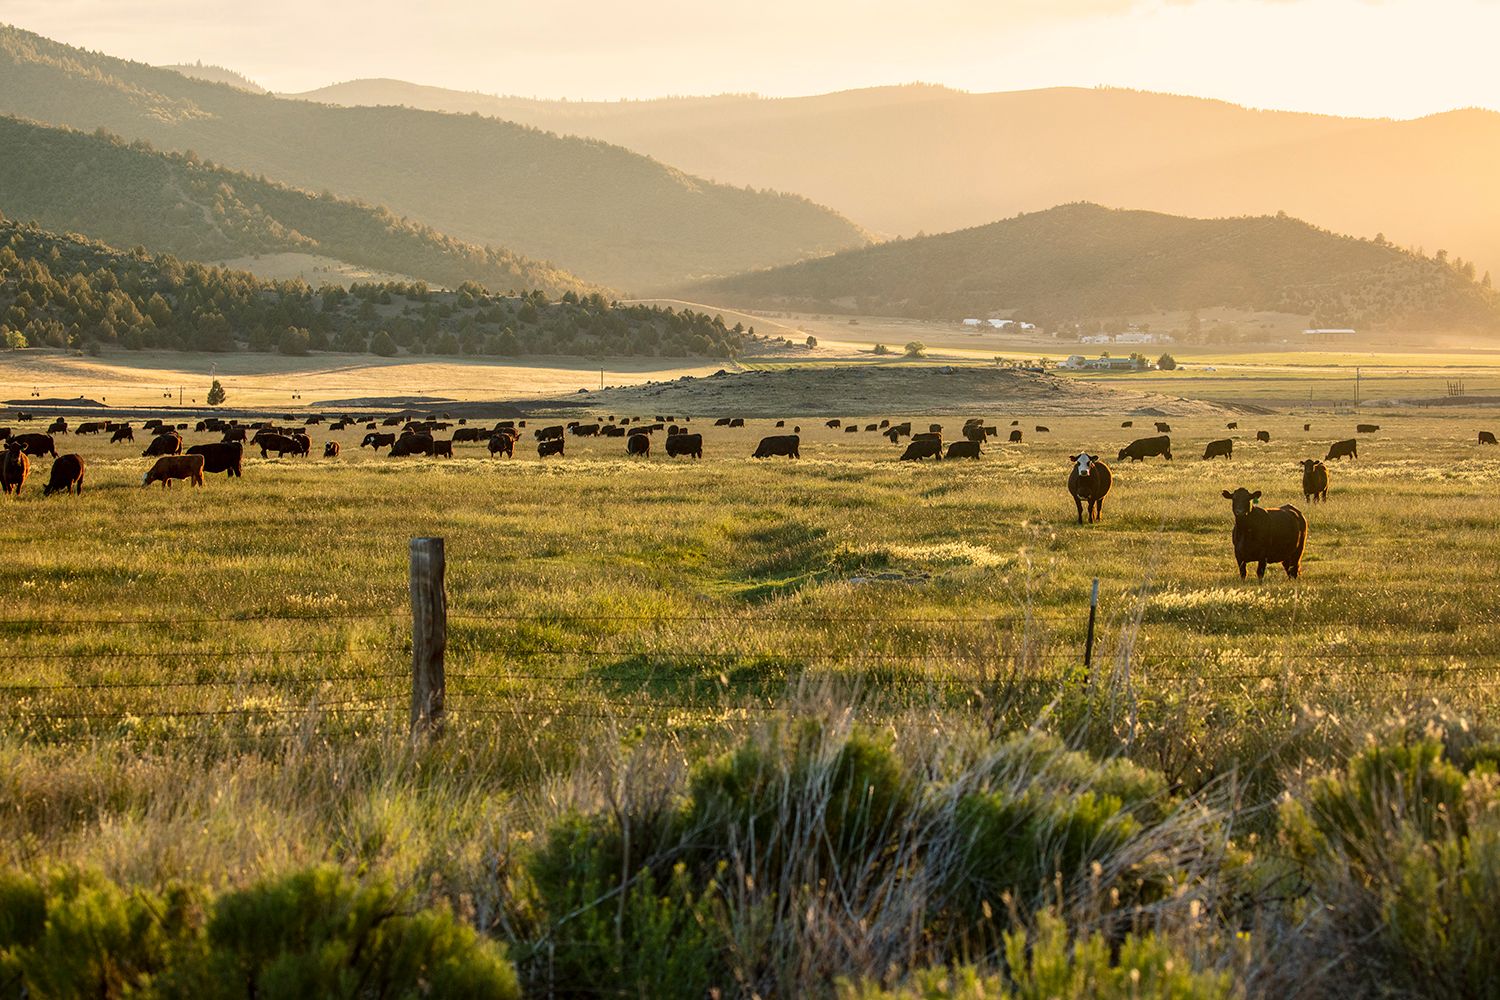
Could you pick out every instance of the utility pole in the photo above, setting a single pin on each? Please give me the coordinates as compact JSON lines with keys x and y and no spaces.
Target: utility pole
{"x":1356,"y":386}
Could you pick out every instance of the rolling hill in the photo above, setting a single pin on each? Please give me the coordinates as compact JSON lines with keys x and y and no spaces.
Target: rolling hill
{"x":126,"y":195}
{"x":218,"y":74}
{"x":69,"y":291}
{"x":1081,"y":262}
{"x":610,"y":215}
{"x":902,"y":160}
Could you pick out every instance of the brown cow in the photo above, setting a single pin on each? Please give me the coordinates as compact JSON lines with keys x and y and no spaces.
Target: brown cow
{"x":331,"y":449}
{"x":1142,"y":448}
{"x":1089,"y":483}
{"x":66,"y":477}
{"x":170,"y":467}
{"x":503,"y":441}
{"x":14,"y":468}
{"x":1314,"y":480}
{"x":1486,"y":437}
{"x":1342,"y":449}
{"x":1265,"y":536}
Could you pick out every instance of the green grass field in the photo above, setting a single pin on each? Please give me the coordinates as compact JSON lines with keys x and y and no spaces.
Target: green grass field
{"x":211,"y":683}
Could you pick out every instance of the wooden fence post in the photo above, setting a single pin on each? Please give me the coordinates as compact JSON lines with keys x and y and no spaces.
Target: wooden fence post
{"x":429,"y":635}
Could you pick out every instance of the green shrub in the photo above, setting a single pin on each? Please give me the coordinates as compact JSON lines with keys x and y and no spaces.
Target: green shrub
{"x":1401,"y":856}
{"x":1047,"y":966}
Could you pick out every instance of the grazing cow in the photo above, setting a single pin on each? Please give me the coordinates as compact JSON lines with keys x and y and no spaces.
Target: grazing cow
{"x":303,"y":442}
{"x":1486,"y":437}
{"x":779,"y":423}
{"x":1366,"y":428}
{"x":884,"y":424}
{"x":165,"y":444}
{"x":66,"y":477}
{"x":91,"y":427}
{"x":1043,"y":430}
{"x":724,"y":422}
{"x":23,"y":416}
{"x":832,"y":423}
{"x":1342,"y":449}
{"x":1314,"y":480}
{"x":779,"y":444}
{"x":991,"y":431}
{"x":551,"y":446}
{"x":36,"y":445}
{"x":14,"y":468}
{"x":975,"y":433}
{"x":923,"y":447}
{"x":1015,"y":423}
{"x":1089,"y":482}
{"x":467,"y":434}
{"x":685,"y":444}
{"x":1015,"y":437}
{"x":126,"y":434}
{"x":901,"y":430}
{"x":1162,"y":428}
{"x":503,"y":442}
{"x":59,"y":426}
{"x":1266,"y":536}
{"x":935,"y":428}
{"x":1127,"y":423}
{"x":331,"y":449}
{"x":639,"y":444}
{"x":4,"y":433}
{"x":281,"y":444}
{"x":1143,"y":448}
{"x":928,"y":436}
{"x":852,"y":429}
{"x":586,"y":430}
{"x":963,"y":449}
{"x":234,"y":434}
{"x":377,"y":440}
{"x":442,"y":449}
{"x":737,"y":422}
{"x":1263,"y":436}
{"x":170,"y":467}
{"x":1222,"y":448}
{"x":413,"y":444}
{"x":226,"y":456}
{"x":1307,"y":427}
{"x":871,"y":427}
{"x":612,"y":431}
{"x":553,"y":433}
{"x":1233,"y":425}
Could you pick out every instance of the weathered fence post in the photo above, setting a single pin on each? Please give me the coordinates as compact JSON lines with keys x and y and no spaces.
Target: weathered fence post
{"x":1088,"y":643}
{"x":429,"y":635}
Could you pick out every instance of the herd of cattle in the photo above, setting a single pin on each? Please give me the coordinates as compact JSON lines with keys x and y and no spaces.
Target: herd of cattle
{"x":1261,"y":536}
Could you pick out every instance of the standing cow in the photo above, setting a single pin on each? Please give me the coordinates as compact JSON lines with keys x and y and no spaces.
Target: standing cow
{"x":1089,"y":482}
{"x":66,"y":477}
{"x":1265,"y":536}
{"x":1314,"y":480}
{"x":14,"y":468}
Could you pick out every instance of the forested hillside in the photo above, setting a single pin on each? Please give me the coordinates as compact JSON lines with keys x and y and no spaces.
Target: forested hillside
{"x":128,"y":195}
{"x":610,"y":215}
{"x":1082,"y":262}
{"x":67,"y":291}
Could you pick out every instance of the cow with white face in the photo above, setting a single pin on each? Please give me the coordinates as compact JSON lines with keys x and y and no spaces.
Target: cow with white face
{"x":1089,"y":482}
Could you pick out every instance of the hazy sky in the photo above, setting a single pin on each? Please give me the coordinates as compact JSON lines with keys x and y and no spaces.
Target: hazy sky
{"x":1370,"y":57}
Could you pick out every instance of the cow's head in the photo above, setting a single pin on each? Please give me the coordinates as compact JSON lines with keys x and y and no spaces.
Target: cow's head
{"x":1083,"y":463}
{"x":1308,"y":464}
{"x":1242,"y":500}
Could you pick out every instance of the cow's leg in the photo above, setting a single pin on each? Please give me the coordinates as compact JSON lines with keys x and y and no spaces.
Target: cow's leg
{"x":1260,"y":570}
{"x":1242,"y":570}
{"x":1077,"y":502}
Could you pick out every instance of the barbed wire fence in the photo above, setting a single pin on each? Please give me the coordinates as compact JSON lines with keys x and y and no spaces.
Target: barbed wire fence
{"x":348,"y":675}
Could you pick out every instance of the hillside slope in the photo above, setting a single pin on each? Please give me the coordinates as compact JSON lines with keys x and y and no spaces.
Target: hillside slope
{"x":901,"y":160}
{"x":608,"y":214}
{"x":170,"y":203}
{"x":68,"y":291}
{"x":1081,"y":262}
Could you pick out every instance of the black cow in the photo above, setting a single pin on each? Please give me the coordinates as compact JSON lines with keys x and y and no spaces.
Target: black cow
{"x":1143,"y":448}
{"x":724,"y":422}
{"x":1342,"y":449}
{"x":963,"y":449}
{"x":442,"y":449}
{"x":59,"y":426}
{"x":226,"y":456}
{"x":1222,"y":448}
{"x":1127,"y":423}
{"x":1089,"y":483}
{"x":553,"y":433}
{"x":503,"y":442}
{"x":551,"y":446}
{"x":974,"y":433}
{"x":377,"y":440}
{"x":1015,"y":437}
{"x":779,"y":444}
{"x":1314,"y":480}
{"x":1162,"y":428}
{"x":14,"y":468}
{"x":331,"y":449}
{"x":281,"y":444}
{"x":1263,"y":436}
{"x":1043,"y":430}
{"x":126,"y":434}
{"x":852,"y":429}
{"x":1232,"y":425}
{"x":1486,"y":437}
{"x":924,"y":447}
{"x":164,"y":444}
{"x":685,"y":444}
{"x":411,"y":444}
{"x":1266,"y":536}
{"x":833,"y":423}
{"x":737,"y":422}
{"x":90,"y":427}
{"x":36,"y":445}
{"x":638,"y":444}
{"x":1366,"y":428}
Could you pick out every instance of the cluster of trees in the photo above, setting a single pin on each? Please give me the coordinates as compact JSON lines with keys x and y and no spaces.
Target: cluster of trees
{"x":67,"y":291}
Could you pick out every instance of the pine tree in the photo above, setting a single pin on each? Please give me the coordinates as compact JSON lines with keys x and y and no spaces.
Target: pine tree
{"x":216,"y":394}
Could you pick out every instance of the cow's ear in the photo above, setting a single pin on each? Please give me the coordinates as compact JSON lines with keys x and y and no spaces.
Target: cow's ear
{"x":1093,"y":458}
{"x":1255,"y":495}
{"x":1228,"y":495}
{"x":1072,"y":458}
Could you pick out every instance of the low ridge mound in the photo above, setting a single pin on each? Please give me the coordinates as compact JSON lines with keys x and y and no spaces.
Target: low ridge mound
{"x":883,"y":389}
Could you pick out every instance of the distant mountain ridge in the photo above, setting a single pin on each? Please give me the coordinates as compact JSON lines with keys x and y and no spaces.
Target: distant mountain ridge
{"x":1082,"y":263}
{"x":613,"y":216}
{"x":217,"y":74}
{"x":129,"y":194}
{"x":909,"y":159}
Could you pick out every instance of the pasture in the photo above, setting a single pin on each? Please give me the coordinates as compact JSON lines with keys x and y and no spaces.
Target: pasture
{"x":201,"y":683}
